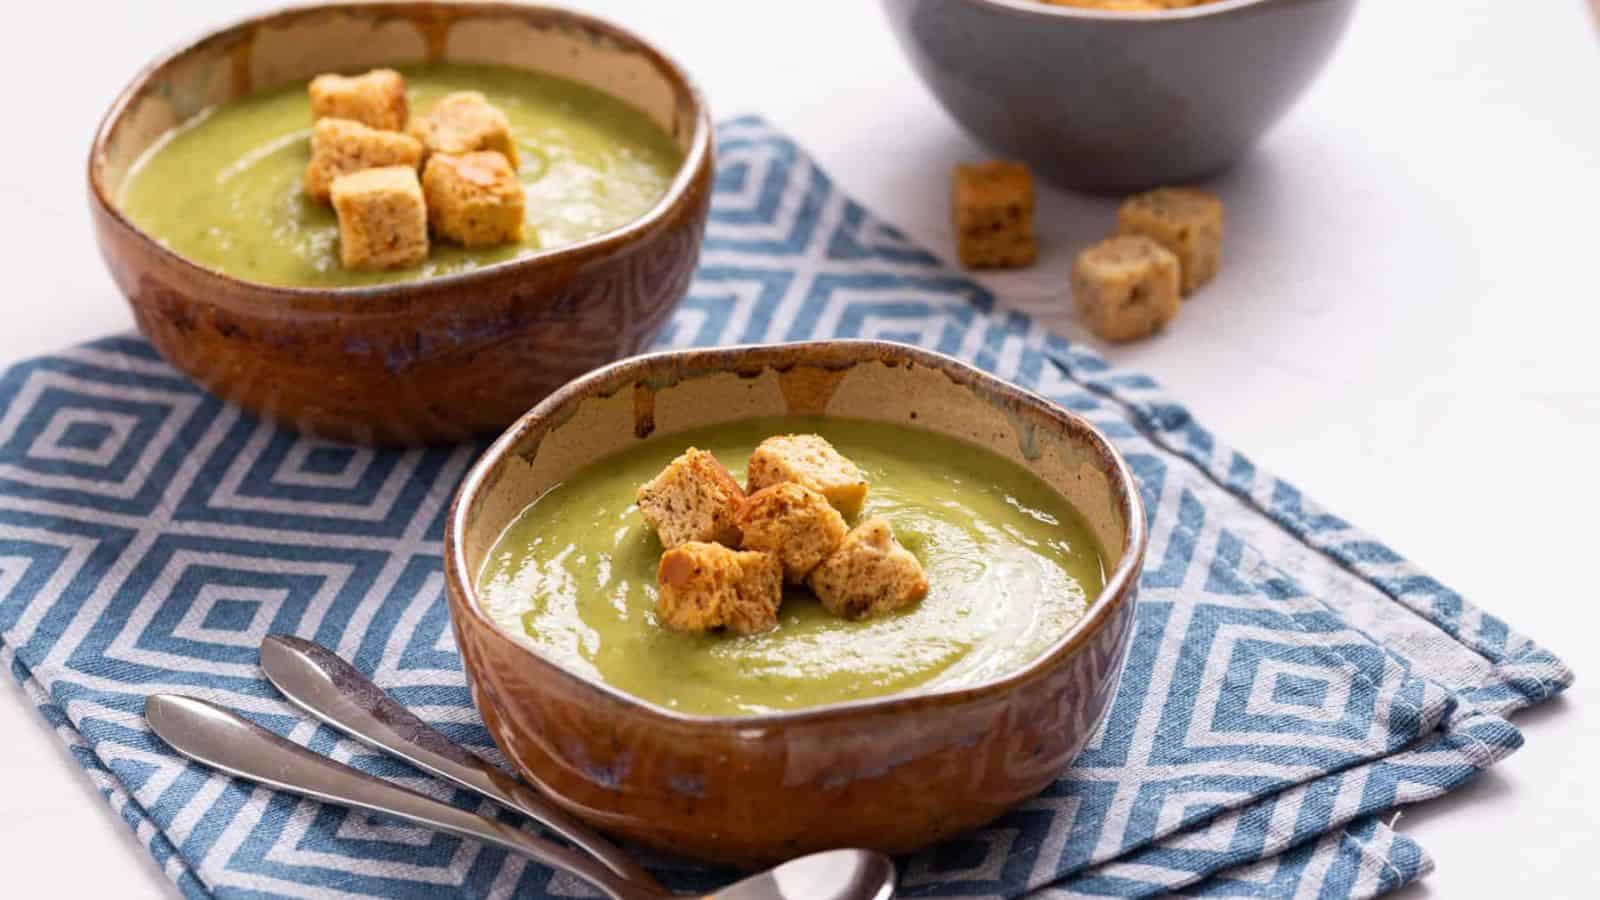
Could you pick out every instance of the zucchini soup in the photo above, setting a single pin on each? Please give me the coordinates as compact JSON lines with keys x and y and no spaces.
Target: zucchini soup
{"x":1010,"y":567}
{"x":225,"y":189}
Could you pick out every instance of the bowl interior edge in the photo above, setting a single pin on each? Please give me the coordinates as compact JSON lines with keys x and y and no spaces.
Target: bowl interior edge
{"x":296,"y":44}
{"x":663,"y":402}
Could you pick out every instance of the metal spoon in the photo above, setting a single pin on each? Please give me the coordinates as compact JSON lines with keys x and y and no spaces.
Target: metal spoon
{"x":331,"y":690}
{"x":218,"y":738}
{"x":317,"y":680}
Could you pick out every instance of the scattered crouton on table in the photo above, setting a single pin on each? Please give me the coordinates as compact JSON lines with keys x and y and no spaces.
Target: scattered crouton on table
{"x":1126,"y":287}
{"x":992,"y":208}
{"x":1186,"y":221}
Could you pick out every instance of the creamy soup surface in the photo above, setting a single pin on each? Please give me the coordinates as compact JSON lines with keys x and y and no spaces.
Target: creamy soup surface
{"x":1011,"y":568}
{"x":224,"y":188}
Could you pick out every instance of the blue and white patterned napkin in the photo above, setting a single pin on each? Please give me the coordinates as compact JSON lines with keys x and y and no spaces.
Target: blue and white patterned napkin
{"x":1291,"y":679}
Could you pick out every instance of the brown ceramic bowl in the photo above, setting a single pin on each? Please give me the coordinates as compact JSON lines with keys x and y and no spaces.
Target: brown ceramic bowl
{"x":894,"y":773}
{"x":431,"y":360}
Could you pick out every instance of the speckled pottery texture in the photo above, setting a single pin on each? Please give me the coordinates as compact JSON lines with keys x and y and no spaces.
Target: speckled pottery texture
{"x":433,"y":360}
{"x":894,"y":773}
{"x":1110,"y":101}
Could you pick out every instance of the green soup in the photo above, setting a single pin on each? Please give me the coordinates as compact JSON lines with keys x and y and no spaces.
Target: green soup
{"x":224,"y":189}
{"x":1011,"y":567}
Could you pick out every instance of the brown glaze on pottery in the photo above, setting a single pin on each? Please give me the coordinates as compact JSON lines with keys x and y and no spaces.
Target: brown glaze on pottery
{"x":432,"y":360}
{"x":893,"y":773}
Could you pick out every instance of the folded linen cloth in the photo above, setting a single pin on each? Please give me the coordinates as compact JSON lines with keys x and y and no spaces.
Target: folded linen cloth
{"x":1291,"y":679}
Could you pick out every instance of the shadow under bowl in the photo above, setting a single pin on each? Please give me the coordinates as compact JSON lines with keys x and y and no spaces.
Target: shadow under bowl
{"x":437,"y":359}
{"x":1118,"y":101}
{"x":894,"y":773}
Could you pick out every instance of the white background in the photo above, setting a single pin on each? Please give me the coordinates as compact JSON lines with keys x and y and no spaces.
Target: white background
{"x":1405,"y":326}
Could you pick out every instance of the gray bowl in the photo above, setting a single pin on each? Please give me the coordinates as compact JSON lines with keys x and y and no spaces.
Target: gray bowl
{"x":1118,"y":100}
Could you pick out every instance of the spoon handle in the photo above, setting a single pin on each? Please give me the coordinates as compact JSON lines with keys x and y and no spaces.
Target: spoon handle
{"x":230,"y":743}
{"x":320,"y":682}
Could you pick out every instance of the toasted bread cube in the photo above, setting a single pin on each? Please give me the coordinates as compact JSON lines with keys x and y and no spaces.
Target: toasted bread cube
{"x":1126,"y":287}
{"x":342,"y":146}
{"x":705,"y":586}
{"x":692,"y":499}
{"x":474,"y":199}
{"x":758,"y":594}
{"x":793,"y":522}
{"x":808,"y":459}
{"x":1126,"y":5}
{"x":383,"y":223}
{"x":992,"y":204}
{"x":463,"y":122}
{"x":376,"y":99}
{"x":869,"y":574}
{"x":1187,"y":221}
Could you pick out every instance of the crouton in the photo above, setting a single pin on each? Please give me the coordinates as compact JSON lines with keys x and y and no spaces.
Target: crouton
{"x":1127,"y":5}
{"x":1126,"y":287}
{"x":692,"y":499}
{"x":474,"y":199}
{"x":793,"y":522}
{"x":705,"y":586}
{"x":992,"y":204}
{"x":758,"y":594}
{"x":808,"y":459}
{"x":1187,"y":221}
{"x":342,"y":146}
{"x":868,"y":574}
{"x":463,"y":122}
{"x":376,"y":99}
{"x":383,"y":223}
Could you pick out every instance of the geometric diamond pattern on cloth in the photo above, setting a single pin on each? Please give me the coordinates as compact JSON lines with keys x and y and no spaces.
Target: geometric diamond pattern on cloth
{"x":1290,"y":679}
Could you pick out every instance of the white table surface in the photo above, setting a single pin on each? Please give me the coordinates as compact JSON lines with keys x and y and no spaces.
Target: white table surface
{"x":1406,"y":326}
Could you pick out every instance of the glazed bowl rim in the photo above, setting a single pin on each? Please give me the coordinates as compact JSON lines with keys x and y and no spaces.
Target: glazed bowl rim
{"x":1048,"y":10}
{"x":1119,"y":587}
{"x":695,"y":158}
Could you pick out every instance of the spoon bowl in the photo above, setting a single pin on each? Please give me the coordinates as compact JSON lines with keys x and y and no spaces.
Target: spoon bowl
{"x":866,"y":874}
